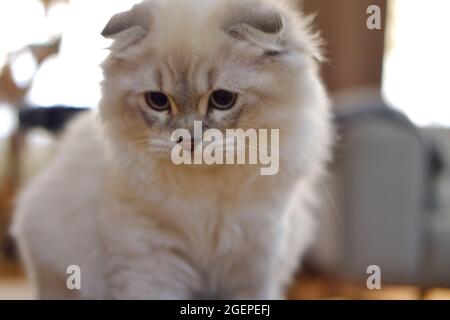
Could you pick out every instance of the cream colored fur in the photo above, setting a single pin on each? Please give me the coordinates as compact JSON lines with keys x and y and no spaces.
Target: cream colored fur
{"x":140,"y":227}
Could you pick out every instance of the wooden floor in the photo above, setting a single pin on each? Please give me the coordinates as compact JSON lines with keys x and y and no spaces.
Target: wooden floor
{"x":15,"y":288}
{"x":19,"y":288}
{"x":316,"y":287}
{"x":14,"y":285}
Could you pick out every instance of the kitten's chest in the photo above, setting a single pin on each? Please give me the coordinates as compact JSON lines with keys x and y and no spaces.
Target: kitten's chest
{"x":239,"y":250}
{"x":223,"y":231}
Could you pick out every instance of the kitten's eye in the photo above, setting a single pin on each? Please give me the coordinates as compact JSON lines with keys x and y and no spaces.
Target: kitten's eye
{"x":222,"y":99}
{"x":157,"y":101}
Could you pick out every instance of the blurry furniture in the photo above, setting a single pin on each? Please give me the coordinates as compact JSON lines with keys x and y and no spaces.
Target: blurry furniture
{"x":14,"y":95}
{"x":384,"y":207}
{"x":439,"y":225}
{"x":52,"y":118}
{"x":354,"y":53}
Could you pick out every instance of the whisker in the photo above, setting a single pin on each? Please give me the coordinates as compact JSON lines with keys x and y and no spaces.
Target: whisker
{"x":160,"y":142}
{"x":330,"y":199}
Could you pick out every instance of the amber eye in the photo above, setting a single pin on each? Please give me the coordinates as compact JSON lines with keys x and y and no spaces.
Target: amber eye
{"x":157,"y":101}
{"x":222,"y":99}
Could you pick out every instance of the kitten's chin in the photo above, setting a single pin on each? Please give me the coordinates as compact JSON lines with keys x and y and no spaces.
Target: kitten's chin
{"x":168,"y":163}
{"x":165,"y":162}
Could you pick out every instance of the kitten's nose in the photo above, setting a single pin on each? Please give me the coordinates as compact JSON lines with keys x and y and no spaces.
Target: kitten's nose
{"x":188,"y":144}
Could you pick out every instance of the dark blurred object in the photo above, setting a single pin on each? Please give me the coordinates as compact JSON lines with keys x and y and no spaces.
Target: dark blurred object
{"x":8,"y":247}
{"x":52,"y":119}
{"x":438,"y":227}
{"x":437,"y":162}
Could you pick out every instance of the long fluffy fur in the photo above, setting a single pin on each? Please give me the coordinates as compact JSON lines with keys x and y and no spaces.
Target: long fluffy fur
{"x":141,"y":227}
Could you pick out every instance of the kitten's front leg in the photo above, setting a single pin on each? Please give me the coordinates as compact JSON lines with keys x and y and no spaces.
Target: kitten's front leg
{"x":256,"y":282}
{"x":263,"y":292}
{"x":158,"y":276}
{"x":258,"y":257}
{"x":141,"y":260}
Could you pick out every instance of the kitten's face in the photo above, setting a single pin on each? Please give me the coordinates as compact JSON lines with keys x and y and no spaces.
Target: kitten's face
{"x":228,"y":64}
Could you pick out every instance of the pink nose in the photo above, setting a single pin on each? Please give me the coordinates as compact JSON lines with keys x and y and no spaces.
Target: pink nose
{"x":188,"y":144}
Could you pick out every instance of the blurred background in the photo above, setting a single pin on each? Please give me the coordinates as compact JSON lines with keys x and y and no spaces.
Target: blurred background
{"x":386,"y":201}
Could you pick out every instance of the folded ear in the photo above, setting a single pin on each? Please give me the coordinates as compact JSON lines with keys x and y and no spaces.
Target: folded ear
{"x":129,"y":27}
{"x":263,"y":27}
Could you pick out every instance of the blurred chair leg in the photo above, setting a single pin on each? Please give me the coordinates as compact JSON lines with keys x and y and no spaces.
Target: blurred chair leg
{"x":10,"y":188}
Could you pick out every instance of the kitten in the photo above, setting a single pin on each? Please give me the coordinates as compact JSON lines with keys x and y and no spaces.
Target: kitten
{"x":138,"y":226}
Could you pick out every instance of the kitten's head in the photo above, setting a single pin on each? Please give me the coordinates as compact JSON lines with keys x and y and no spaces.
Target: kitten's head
{"x":227,"y":63}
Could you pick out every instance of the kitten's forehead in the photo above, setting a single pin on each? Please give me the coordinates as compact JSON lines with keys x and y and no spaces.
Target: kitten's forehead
{"x":184,"y":74}
{"x":190,"y":71}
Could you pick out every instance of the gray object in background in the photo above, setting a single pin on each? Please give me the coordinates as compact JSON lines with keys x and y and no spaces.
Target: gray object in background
{"x":438,"y":228}
{"x":383,"y":212}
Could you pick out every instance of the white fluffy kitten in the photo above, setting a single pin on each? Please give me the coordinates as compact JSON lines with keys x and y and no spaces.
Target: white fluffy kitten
{"x":112,"y":201}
